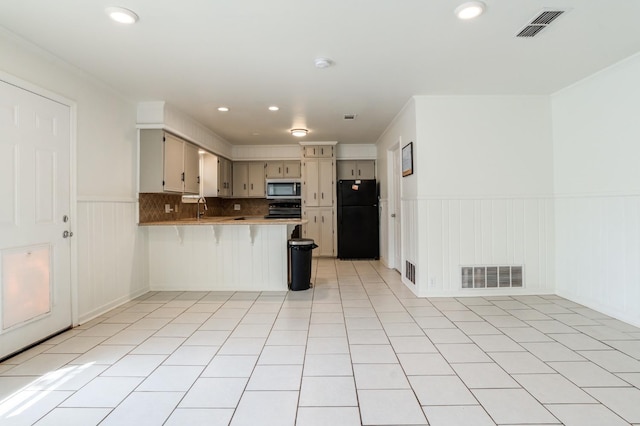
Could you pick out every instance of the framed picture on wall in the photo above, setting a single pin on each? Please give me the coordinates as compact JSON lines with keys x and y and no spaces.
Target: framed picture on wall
{"x":407,"y":159}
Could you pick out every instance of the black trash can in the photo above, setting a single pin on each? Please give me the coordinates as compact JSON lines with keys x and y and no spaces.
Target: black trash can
{"x":300,"y":250}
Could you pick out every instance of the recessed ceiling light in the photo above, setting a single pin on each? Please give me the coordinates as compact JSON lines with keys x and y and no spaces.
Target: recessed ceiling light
{"x":273,"y":108}
{"x":322,"y":62}
{"x":470,"y":10}
{"x":122,"y":15}
{"x":223,"y":109}
{"x":299,"y":132}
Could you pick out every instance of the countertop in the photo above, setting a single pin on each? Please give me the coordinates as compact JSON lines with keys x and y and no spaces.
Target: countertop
{"x":227,"y":220}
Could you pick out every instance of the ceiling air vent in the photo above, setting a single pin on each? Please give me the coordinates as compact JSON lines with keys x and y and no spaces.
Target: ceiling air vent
{"x":541,"y":21}
{"x":350,"y":116}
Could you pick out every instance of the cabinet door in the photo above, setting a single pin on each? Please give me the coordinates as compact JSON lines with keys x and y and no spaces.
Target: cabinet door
{"x":310,"y":151}
{"x":325,"y":183}
{"x":312,"y":228}
{"x":310,"y":184}
{"x":173,"y":163}
{"x":325,"y":151}
{"x":346,"y":169}
{"x":191,"y":169}
{"x":240,"y":180}
{"x":209,"y":175}
{"x":326,"y":232}
{"x":366,"y":169}
{"x":275,"y":169}
{"x":222,"y":177}
{"x":256,"y":179}
{"x":291,"y":169}
{"x":228,"y":178}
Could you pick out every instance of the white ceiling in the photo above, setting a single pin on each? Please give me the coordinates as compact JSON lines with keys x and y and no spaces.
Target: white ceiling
{"x":249,"y":54}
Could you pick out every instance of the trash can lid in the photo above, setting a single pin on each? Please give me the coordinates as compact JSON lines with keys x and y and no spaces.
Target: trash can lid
{"x":301,"y":242}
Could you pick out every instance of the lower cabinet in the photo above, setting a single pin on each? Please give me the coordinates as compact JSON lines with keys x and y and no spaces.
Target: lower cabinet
{"x":320,"y":229}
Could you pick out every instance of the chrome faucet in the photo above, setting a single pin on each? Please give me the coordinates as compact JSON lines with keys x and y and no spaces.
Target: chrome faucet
{"x":199,"y":213}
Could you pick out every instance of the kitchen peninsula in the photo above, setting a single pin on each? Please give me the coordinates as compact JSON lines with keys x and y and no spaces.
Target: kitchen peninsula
{"x":236,"y":253}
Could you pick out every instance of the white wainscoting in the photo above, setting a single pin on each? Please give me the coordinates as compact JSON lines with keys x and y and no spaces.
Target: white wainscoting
{"x":598,"y":252}
{"x":412,"y":236}
{"x":498,"y":231}
{"x":222,"y":257}
{"x":385,"y":244}
{"x":112,"y":256}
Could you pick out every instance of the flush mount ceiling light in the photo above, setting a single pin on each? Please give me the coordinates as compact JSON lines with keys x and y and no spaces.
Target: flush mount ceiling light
{"x":470,"y":10}
{"x":122,"y":15}
{"x":223,"y":109}
{"x":322,"y":62}
{"x":299,"y":132}
{"x":273,"y":108}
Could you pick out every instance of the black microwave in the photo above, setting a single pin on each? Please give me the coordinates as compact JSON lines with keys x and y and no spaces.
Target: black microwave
{"x":284,"y":189}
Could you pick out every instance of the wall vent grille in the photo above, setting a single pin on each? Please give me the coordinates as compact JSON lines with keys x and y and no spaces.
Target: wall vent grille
{"x":492,"y":276}
{"x":410,"y":271}
{"x":541,"y":21}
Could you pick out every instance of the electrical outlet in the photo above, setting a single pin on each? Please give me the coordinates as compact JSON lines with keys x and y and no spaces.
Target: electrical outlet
{"x":167,"y":208}
{"x":236,"y":206}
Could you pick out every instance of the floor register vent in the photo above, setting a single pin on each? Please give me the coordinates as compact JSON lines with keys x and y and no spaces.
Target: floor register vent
{"x":410,"y":271}
{"x":491,"y":276}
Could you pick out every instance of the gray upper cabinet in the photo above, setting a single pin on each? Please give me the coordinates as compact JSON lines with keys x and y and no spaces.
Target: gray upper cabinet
{"x":282,"y":169}
{"x":318,"y":151}
{"x":356,"y":169}
{"x":168,"y":163}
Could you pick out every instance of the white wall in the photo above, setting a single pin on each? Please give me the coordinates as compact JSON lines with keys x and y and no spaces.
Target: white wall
{"x":597,"y":180}
{"x":106,"y":170}
{"x":481,"y":192}
{"x":400,"y":132}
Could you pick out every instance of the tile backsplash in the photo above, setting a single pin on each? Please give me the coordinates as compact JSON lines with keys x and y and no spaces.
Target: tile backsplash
{"x":152,"y":207}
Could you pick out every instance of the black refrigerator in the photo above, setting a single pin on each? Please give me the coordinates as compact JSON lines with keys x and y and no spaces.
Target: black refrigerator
{"x":358,"y":233}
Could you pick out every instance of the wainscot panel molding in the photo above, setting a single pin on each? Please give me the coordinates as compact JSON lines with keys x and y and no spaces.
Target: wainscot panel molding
{"x":386,"y":254}
{"x":228,"y":257}
{"x":598,"y":252}
{"x":112,"y":256}
{"x":410,"y":241}
{"x":497,"y":231}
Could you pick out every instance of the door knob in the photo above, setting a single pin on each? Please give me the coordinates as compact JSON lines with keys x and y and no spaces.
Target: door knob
{"x":393,"y":215}
{"x":67,"y":234}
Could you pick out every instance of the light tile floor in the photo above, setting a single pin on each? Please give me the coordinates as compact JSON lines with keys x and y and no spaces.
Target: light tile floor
{"x":359,"y":348}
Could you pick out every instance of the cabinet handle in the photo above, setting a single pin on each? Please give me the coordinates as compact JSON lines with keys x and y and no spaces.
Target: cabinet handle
{"x":182,"y":176}
{"x":279,"y":170}
{"x":322,"y":219}
{"x":287,"y":170}
{"x":359,"y":172}
{"x":252,"y":187}
{"x":322,"y":195}
{"x":315,"y":219}
{"x":245,"y":186}
{"x":352,"y":172}
{"x":314,"y":195}
{"x":198,"y":179}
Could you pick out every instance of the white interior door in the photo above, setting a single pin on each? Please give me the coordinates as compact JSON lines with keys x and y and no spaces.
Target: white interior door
{"x":35,"y":252}
{"x":397,"y":206}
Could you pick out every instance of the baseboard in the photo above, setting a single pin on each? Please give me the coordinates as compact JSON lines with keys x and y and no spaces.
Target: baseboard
{"x":607,"y":310}
{"x":84,"y":318}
